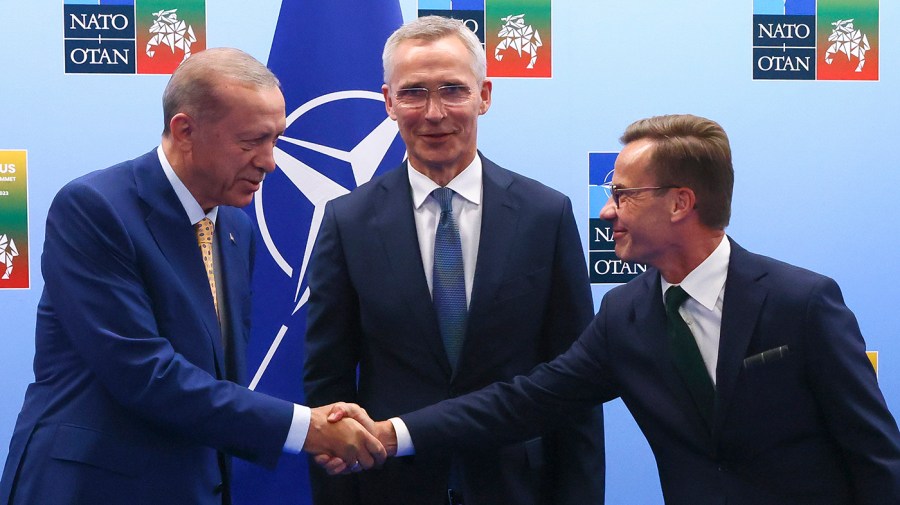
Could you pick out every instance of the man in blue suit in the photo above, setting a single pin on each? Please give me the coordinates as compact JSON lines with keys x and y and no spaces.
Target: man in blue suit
{"x":752,"y":387}
{"x":139,"y":349}
{"x":523,"y":291}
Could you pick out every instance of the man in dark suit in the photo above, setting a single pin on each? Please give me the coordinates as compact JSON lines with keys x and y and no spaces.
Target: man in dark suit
{"x":377,"y":282}
{"x":756,"y":390}
{"x":141,"y":330}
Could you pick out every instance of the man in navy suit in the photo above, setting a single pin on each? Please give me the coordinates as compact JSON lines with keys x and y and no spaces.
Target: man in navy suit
{"x":138,"y":355}
{"x":770,"y":399}
{"x":523,"y":292}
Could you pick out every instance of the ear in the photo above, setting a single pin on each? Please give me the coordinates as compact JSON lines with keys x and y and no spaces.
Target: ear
{"x":181,"y":129}
{"x":684,"y":204}
{"x":486,"y":88}
{"x":388,"y":101}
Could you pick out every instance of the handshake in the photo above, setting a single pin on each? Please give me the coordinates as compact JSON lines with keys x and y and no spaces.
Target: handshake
{"x":344,"y":439}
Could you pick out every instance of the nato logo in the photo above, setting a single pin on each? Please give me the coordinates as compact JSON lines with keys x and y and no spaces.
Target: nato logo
{"x":605,"y":266}
{"x":131,"y":36}
{"x":784,"y":39}
{"x":319,"y":159}
{"x":99,"y":38}
{"x":815,"y":40}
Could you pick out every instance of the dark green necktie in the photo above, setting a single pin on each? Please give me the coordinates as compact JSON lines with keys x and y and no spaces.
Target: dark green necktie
{"x":687,"y":356}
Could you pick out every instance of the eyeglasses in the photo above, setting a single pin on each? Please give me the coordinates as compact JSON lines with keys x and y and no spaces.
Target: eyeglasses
{"x":615,"y":191}
{"x":416,"y":98}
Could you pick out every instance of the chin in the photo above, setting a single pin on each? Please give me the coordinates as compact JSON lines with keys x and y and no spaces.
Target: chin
{"x":240,"y":201}
{"x":624,"y":255}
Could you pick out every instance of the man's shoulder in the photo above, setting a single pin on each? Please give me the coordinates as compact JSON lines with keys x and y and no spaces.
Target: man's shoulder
{"x":785,"y":280}
{"x":518,"y":183}
{"x":770,"y":268}
{"x":392,"y":178}
{"x":107,"y":183}
{"x":111,"y":178}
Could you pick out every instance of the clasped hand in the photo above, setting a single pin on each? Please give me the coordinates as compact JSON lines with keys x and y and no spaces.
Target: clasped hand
{"x":350,"y":440}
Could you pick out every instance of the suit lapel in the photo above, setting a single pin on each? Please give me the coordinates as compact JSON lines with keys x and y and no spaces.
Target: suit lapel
{"x":650,"y":321}
{"x":743,"y":302}
{"x":175,"y":237}
{"x":649,"y":318}
{"x":234,"y":269}
{"x":499,"y":219}
{"x":396,"y":229}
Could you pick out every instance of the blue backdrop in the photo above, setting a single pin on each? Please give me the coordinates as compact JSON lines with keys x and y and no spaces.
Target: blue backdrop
{"x":816,"y":161}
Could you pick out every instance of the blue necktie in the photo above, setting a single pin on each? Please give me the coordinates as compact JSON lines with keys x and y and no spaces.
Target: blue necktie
{"x":448,"y":279}
{"x":686,"y":354}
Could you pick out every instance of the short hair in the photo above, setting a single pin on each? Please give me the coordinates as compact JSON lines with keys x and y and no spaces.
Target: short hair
{"x":431,"y":28}
{"x":691,"y":151}
{"x":192,"y":89}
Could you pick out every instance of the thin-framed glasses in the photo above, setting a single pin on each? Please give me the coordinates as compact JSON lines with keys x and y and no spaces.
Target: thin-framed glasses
{"x":449,"y":94}
{"x":616,"y":191}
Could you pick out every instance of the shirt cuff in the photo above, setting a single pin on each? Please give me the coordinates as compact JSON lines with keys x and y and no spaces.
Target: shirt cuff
{"x":296,"y":437}
{"x":404,"y":440}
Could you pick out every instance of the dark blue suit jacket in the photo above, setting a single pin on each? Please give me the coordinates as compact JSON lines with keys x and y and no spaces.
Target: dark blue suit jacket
{"x":370,"y":305}
{"x":810,"y":428}
{"x":130,"y":404}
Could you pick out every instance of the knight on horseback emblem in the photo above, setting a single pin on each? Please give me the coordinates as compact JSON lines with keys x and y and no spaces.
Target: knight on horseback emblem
{"x":848,"y":40}
{"x":168,"y":30}
{"x":519,"y":36}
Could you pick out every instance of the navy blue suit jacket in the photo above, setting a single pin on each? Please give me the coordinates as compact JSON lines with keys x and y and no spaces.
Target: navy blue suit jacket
{"x":130,"y":404}
{"x":810,"y":428}
{"x":370,"y":305}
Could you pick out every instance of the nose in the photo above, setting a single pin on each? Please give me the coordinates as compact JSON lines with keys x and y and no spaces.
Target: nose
{"x":434,"y":109}
{"x":265,"y":159}
{"x":609,"y":211}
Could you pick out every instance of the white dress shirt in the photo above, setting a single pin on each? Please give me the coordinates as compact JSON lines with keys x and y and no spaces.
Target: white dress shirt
{"x":302,"y":414}
{"x":466,"y":210}
{"x":703,"y":310}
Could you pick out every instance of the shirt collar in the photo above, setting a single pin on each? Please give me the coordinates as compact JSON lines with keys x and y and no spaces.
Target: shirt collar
{"x":705,"y":282}
{"x":466,"y":184}
{"x":193,"y":209}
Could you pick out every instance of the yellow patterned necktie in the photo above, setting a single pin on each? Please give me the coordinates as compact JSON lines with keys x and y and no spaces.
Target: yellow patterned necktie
{"x":205,"y":230}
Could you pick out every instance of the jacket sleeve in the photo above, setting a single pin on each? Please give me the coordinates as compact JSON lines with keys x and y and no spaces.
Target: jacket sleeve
{"x":846,"y":388}
{"x":332,"y":345}
{"x":575,"y":456}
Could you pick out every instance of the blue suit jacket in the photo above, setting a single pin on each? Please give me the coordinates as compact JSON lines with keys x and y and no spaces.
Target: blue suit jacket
{"x":370,"y":305}
{"x":130,"y":404}
{"x":811,"y":428}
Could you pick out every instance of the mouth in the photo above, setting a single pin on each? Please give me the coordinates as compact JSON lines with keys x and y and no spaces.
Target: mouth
{"x":435,"y":135}
{"x":253,"y":184}
{"x":256,"y":181}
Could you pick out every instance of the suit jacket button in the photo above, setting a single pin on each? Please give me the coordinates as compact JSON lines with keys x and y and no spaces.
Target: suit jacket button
{"x":218,"y":488}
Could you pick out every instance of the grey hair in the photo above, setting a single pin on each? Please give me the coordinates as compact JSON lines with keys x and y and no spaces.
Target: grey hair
{"x":431,"y":28}
{"x":192,"y":87}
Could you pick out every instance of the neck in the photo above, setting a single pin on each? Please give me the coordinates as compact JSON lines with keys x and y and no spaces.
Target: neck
{"x":685,"y":259}
{"x":178,"y":162}
{"x":441,"y":174}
